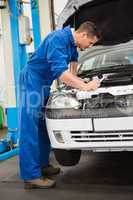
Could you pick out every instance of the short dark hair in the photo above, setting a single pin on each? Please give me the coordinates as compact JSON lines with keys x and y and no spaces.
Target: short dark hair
{"x":90,"y":28}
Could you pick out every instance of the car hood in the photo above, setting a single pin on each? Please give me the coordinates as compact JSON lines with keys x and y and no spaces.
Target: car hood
{"x":112,"y":17}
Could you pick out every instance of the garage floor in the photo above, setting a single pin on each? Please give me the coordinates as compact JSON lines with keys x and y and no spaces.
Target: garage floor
{"x":98,"y":176}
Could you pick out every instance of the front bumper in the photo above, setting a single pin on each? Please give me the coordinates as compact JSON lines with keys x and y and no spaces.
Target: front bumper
{"x":107,"y":134}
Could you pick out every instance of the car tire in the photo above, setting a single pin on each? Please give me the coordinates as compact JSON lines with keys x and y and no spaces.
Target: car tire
{"x":67,"y":157}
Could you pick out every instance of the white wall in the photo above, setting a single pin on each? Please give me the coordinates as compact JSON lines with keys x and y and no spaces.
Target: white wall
{"x":2,"y":71}
{"x":7,"y":85}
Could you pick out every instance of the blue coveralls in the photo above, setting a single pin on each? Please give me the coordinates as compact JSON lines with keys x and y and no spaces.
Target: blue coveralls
{"x":46,"y":64}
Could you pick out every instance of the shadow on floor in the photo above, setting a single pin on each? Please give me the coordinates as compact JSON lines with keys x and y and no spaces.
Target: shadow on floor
{"x":101,"y":168}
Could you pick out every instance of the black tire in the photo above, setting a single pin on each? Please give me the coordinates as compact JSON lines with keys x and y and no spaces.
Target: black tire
{"x":67,"y":157}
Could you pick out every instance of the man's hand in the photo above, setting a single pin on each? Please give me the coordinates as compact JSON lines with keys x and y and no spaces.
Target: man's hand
{"x":71,"y":80}
{"x":93,"y":85}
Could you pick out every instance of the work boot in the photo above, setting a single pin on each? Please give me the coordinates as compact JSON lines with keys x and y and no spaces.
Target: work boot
{"x":39,"y":184}
{"x":50,"y":170}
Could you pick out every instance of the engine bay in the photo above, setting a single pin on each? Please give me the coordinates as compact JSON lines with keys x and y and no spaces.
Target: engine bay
{"x":106,"y":100}
{"x":119,"y":75}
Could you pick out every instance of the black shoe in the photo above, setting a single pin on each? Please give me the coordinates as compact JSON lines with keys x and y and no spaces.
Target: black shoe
{"x":50,"y":170}
{"x":39,"y":184}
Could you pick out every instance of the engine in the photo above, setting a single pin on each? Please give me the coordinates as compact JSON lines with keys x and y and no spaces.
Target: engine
{"x":120,"y":96}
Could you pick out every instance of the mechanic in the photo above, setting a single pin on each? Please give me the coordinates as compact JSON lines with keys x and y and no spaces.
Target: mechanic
{"x":49,"y":62}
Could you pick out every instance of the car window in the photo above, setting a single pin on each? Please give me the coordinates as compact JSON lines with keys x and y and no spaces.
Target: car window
{"x":108,"y":60}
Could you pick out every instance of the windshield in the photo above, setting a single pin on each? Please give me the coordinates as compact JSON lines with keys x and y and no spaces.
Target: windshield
{"x":106,"y":60}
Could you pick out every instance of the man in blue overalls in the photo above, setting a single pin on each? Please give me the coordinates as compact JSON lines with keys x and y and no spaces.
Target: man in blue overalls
{"x":49,"y":62}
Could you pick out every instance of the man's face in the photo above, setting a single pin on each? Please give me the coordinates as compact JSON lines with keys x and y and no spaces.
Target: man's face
{"x":86,"y":41}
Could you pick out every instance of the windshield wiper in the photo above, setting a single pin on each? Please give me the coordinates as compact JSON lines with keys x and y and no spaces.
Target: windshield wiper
{"x":100,"y":70}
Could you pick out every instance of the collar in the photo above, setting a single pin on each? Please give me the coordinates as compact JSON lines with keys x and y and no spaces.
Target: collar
{"x":70,"y":34}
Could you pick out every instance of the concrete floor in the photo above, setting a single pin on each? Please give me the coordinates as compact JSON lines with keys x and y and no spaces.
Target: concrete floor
{"x":98,"y":176}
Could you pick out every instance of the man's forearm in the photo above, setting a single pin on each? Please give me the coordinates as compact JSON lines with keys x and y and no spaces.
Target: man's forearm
{"x":73,"y":67}
{"x":71,"y":80}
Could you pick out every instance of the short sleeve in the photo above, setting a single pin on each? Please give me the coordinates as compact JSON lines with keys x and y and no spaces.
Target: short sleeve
{"x":57,"y":57}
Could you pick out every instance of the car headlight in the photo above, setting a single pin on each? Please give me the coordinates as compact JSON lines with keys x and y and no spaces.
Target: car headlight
{"x":62,"y":100}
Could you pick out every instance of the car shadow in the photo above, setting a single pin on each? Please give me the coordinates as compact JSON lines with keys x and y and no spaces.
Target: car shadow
{"x":101,"y":168}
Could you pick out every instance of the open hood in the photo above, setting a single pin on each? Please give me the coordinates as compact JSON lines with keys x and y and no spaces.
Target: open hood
{"x":114,"y":18}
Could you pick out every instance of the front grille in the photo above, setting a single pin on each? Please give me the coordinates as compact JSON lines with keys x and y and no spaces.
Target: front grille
{"x":89,"y":136}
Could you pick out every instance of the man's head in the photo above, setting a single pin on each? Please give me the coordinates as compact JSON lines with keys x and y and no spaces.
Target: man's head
{"x":86,"y":35}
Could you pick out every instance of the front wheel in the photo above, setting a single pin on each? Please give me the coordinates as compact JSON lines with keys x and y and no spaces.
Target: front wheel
{"x":67,"y":157}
